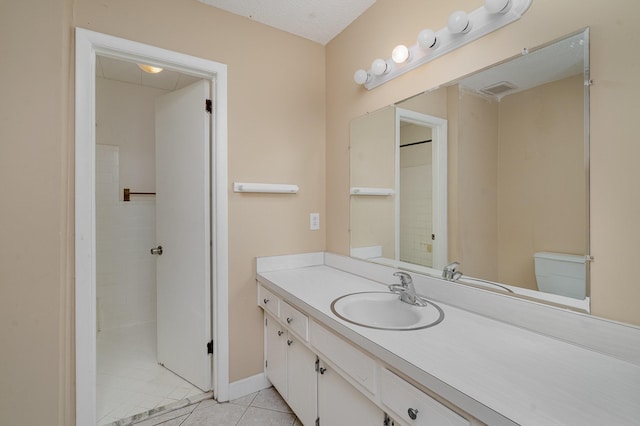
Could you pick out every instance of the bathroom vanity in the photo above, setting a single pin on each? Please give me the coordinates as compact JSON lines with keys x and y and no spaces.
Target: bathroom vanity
{"x":484,"y":363}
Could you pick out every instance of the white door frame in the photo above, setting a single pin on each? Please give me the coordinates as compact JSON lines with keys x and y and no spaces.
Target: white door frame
{"x":88,"y":45}
{"x":439,"y":185}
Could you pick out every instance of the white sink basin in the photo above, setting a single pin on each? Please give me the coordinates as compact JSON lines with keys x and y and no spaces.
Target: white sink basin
{"x":385,"y":311}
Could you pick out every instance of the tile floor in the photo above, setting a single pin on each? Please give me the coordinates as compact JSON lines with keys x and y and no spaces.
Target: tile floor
{"x":129,"y":380}
{"x":264,"y":408}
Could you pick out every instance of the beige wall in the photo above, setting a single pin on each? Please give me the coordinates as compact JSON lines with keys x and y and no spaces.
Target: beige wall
{"x":373,"y":165}
{"x":476,"y":203}
{"x":36,"y":221}
{"x":615,"y":201}
{"x":276,"y":134}
{"x":541,"y":180}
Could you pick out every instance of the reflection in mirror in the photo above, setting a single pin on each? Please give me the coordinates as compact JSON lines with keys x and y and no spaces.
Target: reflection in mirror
{"x":400,"y":156}
{"x":516,"y":188}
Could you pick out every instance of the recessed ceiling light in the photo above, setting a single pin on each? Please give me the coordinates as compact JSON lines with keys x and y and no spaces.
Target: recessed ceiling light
{"x":149,"y":69}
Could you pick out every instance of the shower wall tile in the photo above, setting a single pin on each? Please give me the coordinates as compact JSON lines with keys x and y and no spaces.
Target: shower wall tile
{"x":125,"y":231}
{"x":416,"y":215}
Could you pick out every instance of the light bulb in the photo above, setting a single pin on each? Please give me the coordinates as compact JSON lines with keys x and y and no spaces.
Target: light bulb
{"x":459,"y":22}
{"x":497,"y":6}
{"x":400,"y":54}
{"x":149,"y":69}
{"x":379,"y":67}
{"x":361,"y":76}
{"x":427,"y":39}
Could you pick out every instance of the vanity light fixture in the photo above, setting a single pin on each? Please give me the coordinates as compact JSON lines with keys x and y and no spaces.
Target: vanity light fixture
{"x":400,"y":54}
{"x":462,"y":28}
{"x":361,"y":76}
{"x":497,"y":6}
{"x":427,"y":39}
{"x":150,"y":69}
{"x":379,"y":67}
{"x":458,"y":22}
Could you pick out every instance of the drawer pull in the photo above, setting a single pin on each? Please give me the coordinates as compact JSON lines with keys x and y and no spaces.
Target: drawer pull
{"x":289,"y":342}
{"x":265,"y":301}
{"x":280,"y":332}
{"x":413,"y":413}
{"x":289,"y":320}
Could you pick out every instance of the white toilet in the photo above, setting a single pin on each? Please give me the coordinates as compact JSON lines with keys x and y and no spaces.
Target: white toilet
{"x":563,"y":274}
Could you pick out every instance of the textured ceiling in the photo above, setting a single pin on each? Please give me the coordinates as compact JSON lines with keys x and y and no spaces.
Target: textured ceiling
{"x":316,"y":20}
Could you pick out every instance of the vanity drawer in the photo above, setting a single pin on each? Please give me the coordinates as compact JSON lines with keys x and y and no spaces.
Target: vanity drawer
{"x":269,"y":301}
{"x":407,"y":401}
{"x":359,"y":366}
{"x":295,"y":320}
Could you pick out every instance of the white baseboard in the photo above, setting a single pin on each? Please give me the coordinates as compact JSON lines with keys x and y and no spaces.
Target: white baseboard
{"x":248,"y":386}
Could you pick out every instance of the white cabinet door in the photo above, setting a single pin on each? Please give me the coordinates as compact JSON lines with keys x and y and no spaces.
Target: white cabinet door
{"x":339,"y":403}
{"x":276,"y":353}
{"x":302,"y":381}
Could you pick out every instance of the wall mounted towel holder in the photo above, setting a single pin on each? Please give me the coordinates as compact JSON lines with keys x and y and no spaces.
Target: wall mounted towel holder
{"x":127,"y":194}
{"x":272,"y":188}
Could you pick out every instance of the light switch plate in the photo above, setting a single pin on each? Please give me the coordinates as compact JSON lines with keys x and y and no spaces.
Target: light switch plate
{"x":314,"y":221}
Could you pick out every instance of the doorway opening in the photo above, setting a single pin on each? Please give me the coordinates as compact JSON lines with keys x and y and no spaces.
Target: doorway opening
{"x":421,"y":186}
{"x":212,"y":281}
{"x":133,"y":374}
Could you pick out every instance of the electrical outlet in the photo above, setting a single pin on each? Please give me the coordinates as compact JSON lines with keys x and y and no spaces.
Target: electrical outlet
{"x":314,"y":221}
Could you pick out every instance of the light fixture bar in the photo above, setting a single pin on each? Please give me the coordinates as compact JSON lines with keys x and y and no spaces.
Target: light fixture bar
{"x":273,"y":188}
{"x":481,"y":22}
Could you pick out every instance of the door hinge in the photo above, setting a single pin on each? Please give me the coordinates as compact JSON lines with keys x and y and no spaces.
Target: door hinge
{"x":210,"y":347}
{"x":318,"y":421}
{"x":317,"y":364}
{"x":208,"y":105}
{"x":266,"y":363}
{"x":388,"y":421}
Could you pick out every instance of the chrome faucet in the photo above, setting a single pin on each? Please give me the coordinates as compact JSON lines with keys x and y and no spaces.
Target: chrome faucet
{"x":406,"y":290}
{"x":450,"y":272}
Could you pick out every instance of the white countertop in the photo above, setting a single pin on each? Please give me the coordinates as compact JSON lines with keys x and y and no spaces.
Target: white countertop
{"x":498,"y":372}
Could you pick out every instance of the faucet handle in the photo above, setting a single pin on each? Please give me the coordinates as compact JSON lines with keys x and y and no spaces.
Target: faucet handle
{"x":452,"y":266}
{"x":405,"y":279}
{"x":397,"y":288}
{"x":449,"y":270}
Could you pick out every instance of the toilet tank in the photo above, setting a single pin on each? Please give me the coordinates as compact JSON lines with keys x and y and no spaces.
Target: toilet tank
{"x":563,"y":274}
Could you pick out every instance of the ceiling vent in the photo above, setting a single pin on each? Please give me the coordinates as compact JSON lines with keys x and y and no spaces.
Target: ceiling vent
{"x":498,"y":89}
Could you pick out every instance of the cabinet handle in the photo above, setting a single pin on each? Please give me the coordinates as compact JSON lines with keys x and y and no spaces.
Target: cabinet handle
{"x":413,"y":413}
{"x":322,"y":370}
{"x":289,"y":342}
{"x":265,"y":301}
{"x":280,"y":332}
{"x":289,"y":320}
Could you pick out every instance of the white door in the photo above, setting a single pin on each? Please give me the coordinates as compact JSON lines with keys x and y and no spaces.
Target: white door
{"x":183,"y":231}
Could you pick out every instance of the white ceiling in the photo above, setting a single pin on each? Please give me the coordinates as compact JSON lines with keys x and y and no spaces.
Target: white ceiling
{"x":559,"y":60}
{"x":316,"y":20}
{"x":128,"y":72}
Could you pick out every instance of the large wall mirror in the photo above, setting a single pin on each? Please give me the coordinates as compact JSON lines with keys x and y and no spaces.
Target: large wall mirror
{"x":490,"y":171}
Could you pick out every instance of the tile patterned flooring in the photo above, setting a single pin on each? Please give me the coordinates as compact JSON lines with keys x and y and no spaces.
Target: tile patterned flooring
{"x":129,"y":379}
{"x":264,"y":408}
{"x":132,"y":385}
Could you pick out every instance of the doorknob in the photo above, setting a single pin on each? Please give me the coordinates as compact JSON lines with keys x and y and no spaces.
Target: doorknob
{"x":157,"y":250}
